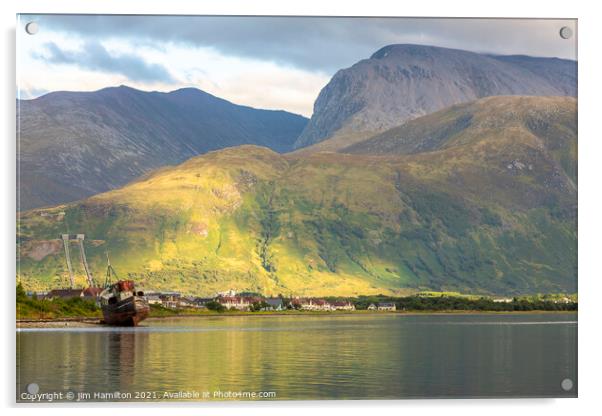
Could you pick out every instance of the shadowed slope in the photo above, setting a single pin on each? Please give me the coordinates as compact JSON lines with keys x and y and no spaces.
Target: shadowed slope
{"x":77,"y":144}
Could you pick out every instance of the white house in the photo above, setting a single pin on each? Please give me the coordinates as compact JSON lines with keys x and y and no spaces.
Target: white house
{"x":343,"y":306}
{"x":242,"y":303}
{"x":312,"y":304}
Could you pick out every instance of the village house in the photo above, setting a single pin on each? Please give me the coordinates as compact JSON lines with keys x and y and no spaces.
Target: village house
{"x":170,"y":299}
{"x":387,"y":306}
{"x":372,"y":307}
{"x":153,"y":299}
{"x":187,"y":302}
{"x":343,"y":306}
{"x":276,"y":304}
{"x":86,"y":293}
{"x":193,"y":302}
{"x":175,"y":300}
{"x":312,"y":304}
{"x":241,"y":303}
{"x":202,"y":302}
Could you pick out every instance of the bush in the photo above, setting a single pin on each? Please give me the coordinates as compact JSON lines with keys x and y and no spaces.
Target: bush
{"x":215,"y":306}
{"x":488,"y":217}
{"x":258,"y":306}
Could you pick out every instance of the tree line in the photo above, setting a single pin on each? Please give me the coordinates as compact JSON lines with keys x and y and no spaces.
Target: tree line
{"x":446,"y":303}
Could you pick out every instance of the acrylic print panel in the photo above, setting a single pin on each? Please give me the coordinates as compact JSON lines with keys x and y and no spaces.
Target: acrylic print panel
{"x":295,"y":208}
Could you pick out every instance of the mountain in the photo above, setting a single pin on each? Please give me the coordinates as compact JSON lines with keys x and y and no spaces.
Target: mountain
{"x":479,"y":197}
{"x":402,"y":82}
{"x":76,"y":144}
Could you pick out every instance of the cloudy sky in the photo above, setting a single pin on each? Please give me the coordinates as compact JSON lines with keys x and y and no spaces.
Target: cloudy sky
{"x":264,"y":62}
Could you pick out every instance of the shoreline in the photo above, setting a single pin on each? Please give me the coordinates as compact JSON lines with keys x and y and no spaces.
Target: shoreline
{"x":86,"y":322}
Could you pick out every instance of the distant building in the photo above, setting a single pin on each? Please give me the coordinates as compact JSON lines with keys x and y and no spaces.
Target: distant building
{"x":387,"y":306}
{"x":202,"y":302}
{"x":343,"y":306}
{"x":187,"y":302}
{"x":193,"y":302}
{"x":372,"y":307}
{"x":503,"y":300}
{"x":227,"y":294}
{"x":311,"y":304}
{"x":64,"y":294}
{"x":153,"y":299}
{"x":242,"y":303}
{"x":86,"y":293}
{"x":276,"y":304}
{"x":170,"y":300}
{"x":175,"y":300}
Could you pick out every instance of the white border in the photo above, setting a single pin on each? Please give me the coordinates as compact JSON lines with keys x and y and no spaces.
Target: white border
{"x":590,"y":164}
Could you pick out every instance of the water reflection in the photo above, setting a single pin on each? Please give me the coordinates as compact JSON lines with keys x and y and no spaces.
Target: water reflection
{"x":305,"y":357}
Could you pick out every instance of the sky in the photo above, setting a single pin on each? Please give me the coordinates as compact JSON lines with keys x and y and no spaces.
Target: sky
{"x":262,"y":62}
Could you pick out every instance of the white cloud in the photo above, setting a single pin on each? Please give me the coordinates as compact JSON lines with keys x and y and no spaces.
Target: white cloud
{"x":252,"y":82}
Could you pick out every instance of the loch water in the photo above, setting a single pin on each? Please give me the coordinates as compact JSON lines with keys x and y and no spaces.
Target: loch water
{"x":303,"y":357}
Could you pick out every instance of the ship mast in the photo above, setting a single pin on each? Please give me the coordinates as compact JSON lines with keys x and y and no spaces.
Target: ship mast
{"x":110,"y":272}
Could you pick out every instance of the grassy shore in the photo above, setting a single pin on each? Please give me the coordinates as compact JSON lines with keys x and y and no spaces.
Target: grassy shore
{"x":77,"y":309}
{"x":32,"y":310}
{"x":80,"y":310}
{"x":58,"y":309}
{"x":83,"y":322}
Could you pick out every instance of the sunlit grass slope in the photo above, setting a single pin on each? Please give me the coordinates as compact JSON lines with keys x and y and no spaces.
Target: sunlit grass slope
{"x":488,"y":206}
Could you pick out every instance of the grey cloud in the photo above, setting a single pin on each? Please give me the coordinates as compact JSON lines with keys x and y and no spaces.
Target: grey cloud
{"x":95,"y":57}
{"x":323,"y":43}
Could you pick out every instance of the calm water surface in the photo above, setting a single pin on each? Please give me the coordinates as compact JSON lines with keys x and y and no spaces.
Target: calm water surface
{"x":381,"y":356}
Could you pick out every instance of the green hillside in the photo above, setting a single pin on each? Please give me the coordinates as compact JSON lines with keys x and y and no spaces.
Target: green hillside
{"x":487,"y":205}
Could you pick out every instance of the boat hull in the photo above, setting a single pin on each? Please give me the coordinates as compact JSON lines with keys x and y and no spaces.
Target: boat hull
{"x":128,"y":312}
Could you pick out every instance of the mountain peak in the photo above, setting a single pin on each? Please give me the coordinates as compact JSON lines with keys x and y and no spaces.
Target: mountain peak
{"x":120,"y":89}
{"x":404,"y":81}
{"x":189,"y":90}
{"x":407,"y":49}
